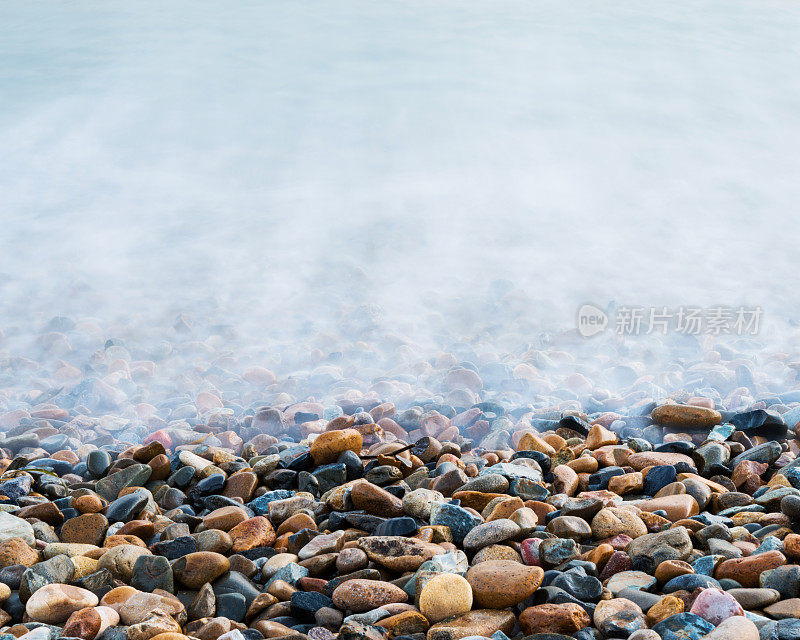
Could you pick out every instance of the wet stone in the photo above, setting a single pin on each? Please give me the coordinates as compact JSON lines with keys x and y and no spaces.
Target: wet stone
{"x":683,"y":626}
{"x":151,"y":573}
{"x":126,"y":508}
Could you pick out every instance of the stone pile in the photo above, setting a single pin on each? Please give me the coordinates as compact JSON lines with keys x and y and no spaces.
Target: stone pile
{"x":678,"y":521}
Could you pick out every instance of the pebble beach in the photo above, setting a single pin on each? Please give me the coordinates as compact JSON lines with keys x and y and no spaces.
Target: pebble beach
{"x":399,"y":321}
{"x":569,"y":488}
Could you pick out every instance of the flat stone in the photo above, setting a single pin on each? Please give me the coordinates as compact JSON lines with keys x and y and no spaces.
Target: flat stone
{"x":565,"y":618}
{"x":613,"y":521}
{"x":677,"y":507}
{"x":398,"y":553}
{"x":628,"y":579}
{"x":683,"y":626}
{"x":478,"y":622}
{"x":685,"y":416}
{"x":490,"y":533}
{"x":734,"y":628}
{"x":784,"y":609}
{"x":499,"y":584}
{"x":13,"y":527}
{"x":755,"y":598}
{"x":747,"y":571}
{"x":195,"y":569}
{"x":135,"y":475}
{"x":54,"y":603}
{"x":364,"y":595}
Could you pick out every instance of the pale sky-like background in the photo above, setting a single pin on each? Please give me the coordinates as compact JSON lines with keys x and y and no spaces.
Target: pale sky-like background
{"x":260,"y":157}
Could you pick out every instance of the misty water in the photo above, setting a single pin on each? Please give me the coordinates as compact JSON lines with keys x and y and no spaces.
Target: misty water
{"x":307,"y":174}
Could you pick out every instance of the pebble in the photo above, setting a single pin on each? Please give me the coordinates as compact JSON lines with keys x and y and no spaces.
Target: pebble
{"x":734,"y":628}
{"x":55,"y":603}
{"x":554,"y":618}
{"x":195,"y":569}
{"x":715,"y":605}
{"x":365,"y":595}
{"x":13,"y":527}
{"x":499,"y":584}
{"x":613,"y":521}
{"x":489,"y":533}
{"x":484,"y":623}
{"x":443,"y":596}
{"x":683,"y":626}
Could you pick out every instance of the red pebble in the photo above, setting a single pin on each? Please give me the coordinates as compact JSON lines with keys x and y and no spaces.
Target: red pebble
{"x":530,"y":551}
{"x":161,"y":436}
{"x":619,"y":541}
{"x":619,"y":561}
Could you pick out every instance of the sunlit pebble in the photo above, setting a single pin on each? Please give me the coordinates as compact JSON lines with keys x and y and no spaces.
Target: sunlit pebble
{"x":119,"y":372}
{"x":578,"y":383}
{"x":50,"y":412}
{"x":463,"y":379}
{"x":488,"y":356}
{"x":207,"y":401}
{"x":90,"y":328}
{"x":461,"y":398}
{"x":406,"y":353}
{"x":66,"y":372}
{"x":283,"y":398}
{"x":445,"y":360}
{"x":697,"y":401}
{"x":12,"y":419}
{"x":606,"y":419}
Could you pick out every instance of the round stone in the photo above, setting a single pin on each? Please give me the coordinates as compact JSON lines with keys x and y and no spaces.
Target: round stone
{"x":121,"y":559}
{"x":54,"y":603}
{"x":490,"y":533}
{"x":195,"y":569}
{"x":670,"y":569}
{"x":364,"y":595}
{"x":566,"y":618}
{"x":613,"y":521}
{"x":443,"y":596}
{"x":499,"y":584}
{"x":151,"y":573}
{"x":715,"y":605}
{"x":569,"y":527}
{"x":329,"y":445}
